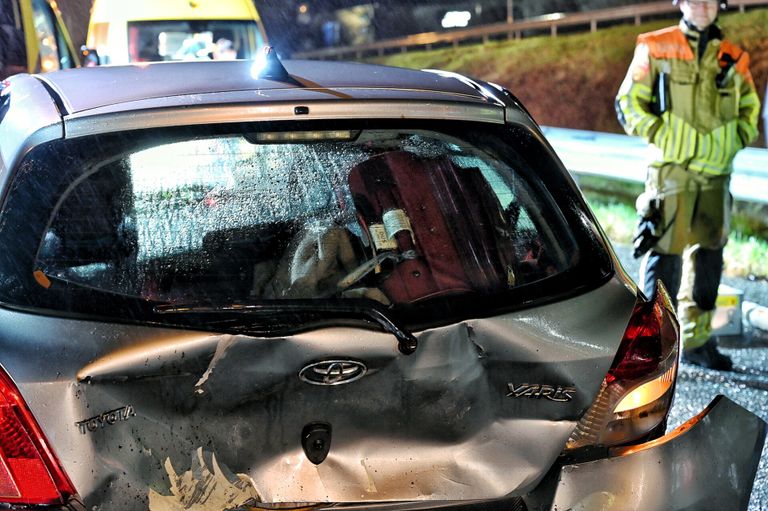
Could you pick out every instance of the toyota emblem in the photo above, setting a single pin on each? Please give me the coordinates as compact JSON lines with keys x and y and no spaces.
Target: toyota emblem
{"x":333,"y":372}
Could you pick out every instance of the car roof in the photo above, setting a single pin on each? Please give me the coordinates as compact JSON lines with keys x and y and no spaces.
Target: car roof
{"x":88,"y":101}
{"x":121,"y":88}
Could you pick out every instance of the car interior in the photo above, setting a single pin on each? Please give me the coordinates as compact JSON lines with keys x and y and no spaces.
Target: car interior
{"x":393,"y":225}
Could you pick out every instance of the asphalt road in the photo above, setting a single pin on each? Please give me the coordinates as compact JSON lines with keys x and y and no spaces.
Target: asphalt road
{"x":747,"y":384}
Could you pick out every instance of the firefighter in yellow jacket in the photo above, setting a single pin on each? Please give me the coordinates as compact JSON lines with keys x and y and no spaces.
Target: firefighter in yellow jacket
{"x":690,"y":94}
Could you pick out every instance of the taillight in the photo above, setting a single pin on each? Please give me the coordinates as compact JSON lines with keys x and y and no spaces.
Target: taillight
{"x":29,"y":470}
{"x":636,"y":394}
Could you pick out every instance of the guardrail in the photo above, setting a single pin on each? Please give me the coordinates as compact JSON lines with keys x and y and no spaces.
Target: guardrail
{"x":516,"y":29}
{"x":625,"y":158}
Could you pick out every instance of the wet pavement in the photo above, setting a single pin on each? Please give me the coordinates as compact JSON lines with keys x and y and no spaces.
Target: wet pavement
{"x":747,"y":384}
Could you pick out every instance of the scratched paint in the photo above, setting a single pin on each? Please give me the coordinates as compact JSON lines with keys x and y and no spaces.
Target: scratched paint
{"x":207,"y":486}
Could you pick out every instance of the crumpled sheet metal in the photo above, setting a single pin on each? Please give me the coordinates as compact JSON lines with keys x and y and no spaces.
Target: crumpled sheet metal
{"x":434,"y":425}
{"x":185,"y":353}
{"x":707,"y":463}
{"x":427,"y":426}
{"x":385,"y":469}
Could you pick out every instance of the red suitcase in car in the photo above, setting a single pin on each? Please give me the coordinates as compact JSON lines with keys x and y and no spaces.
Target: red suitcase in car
{"x":442,"y":225}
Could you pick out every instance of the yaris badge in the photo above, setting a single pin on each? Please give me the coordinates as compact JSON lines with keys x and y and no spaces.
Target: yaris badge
{"x":538,"y":391}
{"x":333,"y":372}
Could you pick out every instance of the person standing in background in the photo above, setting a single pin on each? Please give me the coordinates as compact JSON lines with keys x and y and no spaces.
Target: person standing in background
{"x":689,"y":93}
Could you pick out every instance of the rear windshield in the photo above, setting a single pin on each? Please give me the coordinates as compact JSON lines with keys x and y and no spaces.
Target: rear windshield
{"x":193,"y":40}
{"x":431,"y":225}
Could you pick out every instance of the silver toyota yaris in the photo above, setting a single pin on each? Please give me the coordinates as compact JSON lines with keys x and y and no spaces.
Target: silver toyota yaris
{"x":238,"y":285}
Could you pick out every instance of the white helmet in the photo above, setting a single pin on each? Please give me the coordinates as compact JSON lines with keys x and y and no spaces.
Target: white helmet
{"x":723,"y":4}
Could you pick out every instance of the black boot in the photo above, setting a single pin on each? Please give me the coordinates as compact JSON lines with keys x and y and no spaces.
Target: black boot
{"x":708,"y":356}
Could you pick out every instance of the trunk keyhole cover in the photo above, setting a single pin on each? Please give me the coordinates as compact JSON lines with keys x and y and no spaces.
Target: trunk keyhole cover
{"x":316,"y":441}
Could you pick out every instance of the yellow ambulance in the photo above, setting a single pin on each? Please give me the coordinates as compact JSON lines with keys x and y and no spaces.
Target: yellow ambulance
{"x":125,"y":31}
{"x":33,"y":38}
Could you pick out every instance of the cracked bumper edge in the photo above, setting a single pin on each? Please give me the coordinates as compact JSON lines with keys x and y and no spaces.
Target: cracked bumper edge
{"x":707,"y":463}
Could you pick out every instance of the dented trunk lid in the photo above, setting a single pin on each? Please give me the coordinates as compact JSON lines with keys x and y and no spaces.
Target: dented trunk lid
{"x":479,"y":411}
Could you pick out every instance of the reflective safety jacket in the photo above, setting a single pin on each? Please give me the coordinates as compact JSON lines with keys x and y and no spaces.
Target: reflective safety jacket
{"x":697,"y":106}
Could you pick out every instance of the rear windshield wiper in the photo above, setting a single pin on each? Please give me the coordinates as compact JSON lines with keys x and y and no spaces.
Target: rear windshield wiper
{"x":406,"y":342}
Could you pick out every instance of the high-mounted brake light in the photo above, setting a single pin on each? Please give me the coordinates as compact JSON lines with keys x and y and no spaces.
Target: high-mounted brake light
{"x":300,"y":136}
{"x":29,"y":471}
{"x":636,"y":394}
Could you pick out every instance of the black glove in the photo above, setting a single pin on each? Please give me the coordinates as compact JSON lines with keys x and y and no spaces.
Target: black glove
{"x":644,"y":236}
{"x":648,"y":230}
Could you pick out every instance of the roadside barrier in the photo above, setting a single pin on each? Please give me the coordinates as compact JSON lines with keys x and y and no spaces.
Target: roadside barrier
{"x":625,"y":158}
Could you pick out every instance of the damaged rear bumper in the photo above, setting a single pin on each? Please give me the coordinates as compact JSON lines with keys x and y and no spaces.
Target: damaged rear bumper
{"x":707,"y":463}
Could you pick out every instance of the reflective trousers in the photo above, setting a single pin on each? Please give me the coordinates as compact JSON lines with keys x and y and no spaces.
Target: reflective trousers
{"x":692,"y":281}
{"x":696,"y":208}
{"x":688,"y":258}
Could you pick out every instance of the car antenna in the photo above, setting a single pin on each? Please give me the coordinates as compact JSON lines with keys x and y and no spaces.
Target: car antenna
{"x":273,"y":69}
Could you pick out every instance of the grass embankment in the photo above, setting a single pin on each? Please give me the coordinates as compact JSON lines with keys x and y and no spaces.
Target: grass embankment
{"x":745,"y":255}
{"x":571,"y":80}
